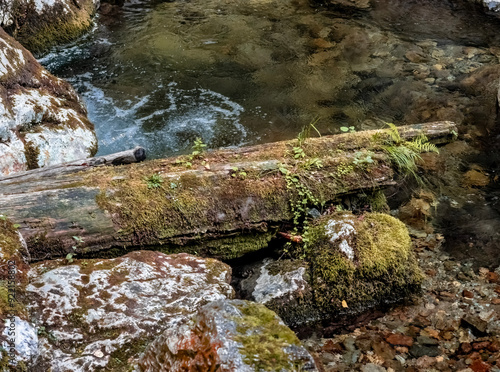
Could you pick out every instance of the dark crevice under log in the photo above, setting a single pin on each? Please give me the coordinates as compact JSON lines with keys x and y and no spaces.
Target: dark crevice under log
{"x":228,"y":203}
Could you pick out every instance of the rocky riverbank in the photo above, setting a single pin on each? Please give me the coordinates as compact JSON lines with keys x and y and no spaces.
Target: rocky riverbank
{"x":453,"y":326}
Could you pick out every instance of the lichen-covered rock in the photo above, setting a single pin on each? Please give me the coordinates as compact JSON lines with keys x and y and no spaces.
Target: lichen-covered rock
{"x":39,"y":24}
{"x":283,"y":286}
{"x":102,"y":313}
{"x":42,"y":120}
{"x":360,"y":261}
{"x":352,"y":263}
{"x":228,"y":336}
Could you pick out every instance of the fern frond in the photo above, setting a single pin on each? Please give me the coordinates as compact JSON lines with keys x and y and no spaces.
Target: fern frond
{"x":394,"y":133}
{"x":421,"y":144}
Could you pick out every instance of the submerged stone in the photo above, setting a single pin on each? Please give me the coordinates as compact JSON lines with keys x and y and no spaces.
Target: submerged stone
{"x":102,"y":313}
{"x":42,"y":120}
{"x":228,"y":336}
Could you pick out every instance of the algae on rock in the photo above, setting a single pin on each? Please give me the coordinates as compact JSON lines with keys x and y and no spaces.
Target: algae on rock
{"x":362,"y":260}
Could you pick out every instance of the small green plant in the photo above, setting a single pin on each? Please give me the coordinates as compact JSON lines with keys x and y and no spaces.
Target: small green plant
{"x":404,"y":154}
{"x":363,"y":159}
{"x":198,"y":149}
{"x":348,"y":129}
{"x":78,"y":239}
{"x":305,"y":133}
{"x":3,"y":218}
{"x":69,"y":257}
{"x":344,"y":169}
{"x":154,"y":181}
{"x":240,"y":173}
{"x":298,"y":153}
{"x":312,"y":163}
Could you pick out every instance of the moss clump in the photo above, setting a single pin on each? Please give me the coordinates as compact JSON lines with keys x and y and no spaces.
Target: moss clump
{"x":55,"y":25}
{"x":31,"y":153}
{"x":383,"y":268}
{"x":264,"y":339}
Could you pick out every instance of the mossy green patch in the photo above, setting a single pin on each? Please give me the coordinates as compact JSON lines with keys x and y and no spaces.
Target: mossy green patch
{"x":31,"y":153}
{"x":264,"y":339}
{"x":9,"y":240}
{"x":384,"y":268}
{"x":58,"y":24}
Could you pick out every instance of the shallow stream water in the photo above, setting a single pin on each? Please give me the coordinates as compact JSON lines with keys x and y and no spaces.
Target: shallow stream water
{"x":244,"y":72}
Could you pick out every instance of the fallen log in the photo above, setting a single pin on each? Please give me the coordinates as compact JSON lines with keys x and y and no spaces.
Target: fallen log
{"x":223,"y":203}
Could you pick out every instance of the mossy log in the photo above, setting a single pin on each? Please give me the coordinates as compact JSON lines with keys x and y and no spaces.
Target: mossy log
{"x":222,"y":203}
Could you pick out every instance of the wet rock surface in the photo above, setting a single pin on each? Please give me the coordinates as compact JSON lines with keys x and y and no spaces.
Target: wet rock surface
{"x":454,"y":326}
{"x":94,"y":314}
{"x":233,"y":335}
{"x":42,"y":120}
{"x":40,"y":24}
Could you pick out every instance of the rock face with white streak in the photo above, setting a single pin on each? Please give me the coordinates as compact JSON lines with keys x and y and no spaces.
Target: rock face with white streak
{"x":102,"y":313}
{"x":283,"y":286}
{"x":42,"y":120}
{"x":228,"y":336}
{"x":39,"y":24}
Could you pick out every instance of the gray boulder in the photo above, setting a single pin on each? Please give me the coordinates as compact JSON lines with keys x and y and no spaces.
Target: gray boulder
{"x":42,"y":120}
{"x":94,"y":314}
{"x":228,"y":336}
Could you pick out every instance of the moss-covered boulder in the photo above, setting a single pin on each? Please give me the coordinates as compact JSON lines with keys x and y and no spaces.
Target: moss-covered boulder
{"x":39,"y":24}
{"x":360,"y":261}
{"x":100,"y":314}
{"x":42,"y":120}
{"x":352,"y":263}
{"x":228,"y":336}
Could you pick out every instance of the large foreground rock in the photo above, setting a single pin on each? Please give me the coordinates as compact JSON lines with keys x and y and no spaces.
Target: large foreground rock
{"x":228,"y":336}
{"x":95,"y":314}
{"x":352,"y":263}
{"x":39,"y":24}
{"x":17,"y":335}
{"x":42,"y":120}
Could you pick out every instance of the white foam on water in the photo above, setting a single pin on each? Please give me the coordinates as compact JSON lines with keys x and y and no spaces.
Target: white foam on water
{"x":166,"y":130}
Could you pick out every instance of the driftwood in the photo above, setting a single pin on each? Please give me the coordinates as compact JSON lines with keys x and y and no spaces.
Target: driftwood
{"x":224,"y":203}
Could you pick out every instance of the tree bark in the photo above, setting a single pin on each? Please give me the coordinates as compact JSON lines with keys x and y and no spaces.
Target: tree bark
{"x":223,"y":203}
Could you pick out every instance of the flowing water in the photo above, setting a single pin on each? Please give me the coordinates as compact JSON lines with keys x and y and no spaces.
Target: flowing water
{"x":251,"y":71}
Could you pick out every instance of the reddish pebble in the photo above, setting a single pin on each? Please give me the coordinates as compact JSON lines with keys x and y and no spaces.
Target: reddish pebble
{"x":399,"y":339}
{"x":494,"y":347}
{"x":497,"y":289}
{"x":466,"y":348}
{"x":401,"y":349}
{"x":332,"y":347}
{"x":480,"y":366}
{"x":493,"y":277}
{"x":447,"y":335}
{"x":467,"y":294}
{"x":480,"y":345}
{"x":475,"y":356}
{"x":495,"y":301}
{"x":431,"y":272}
